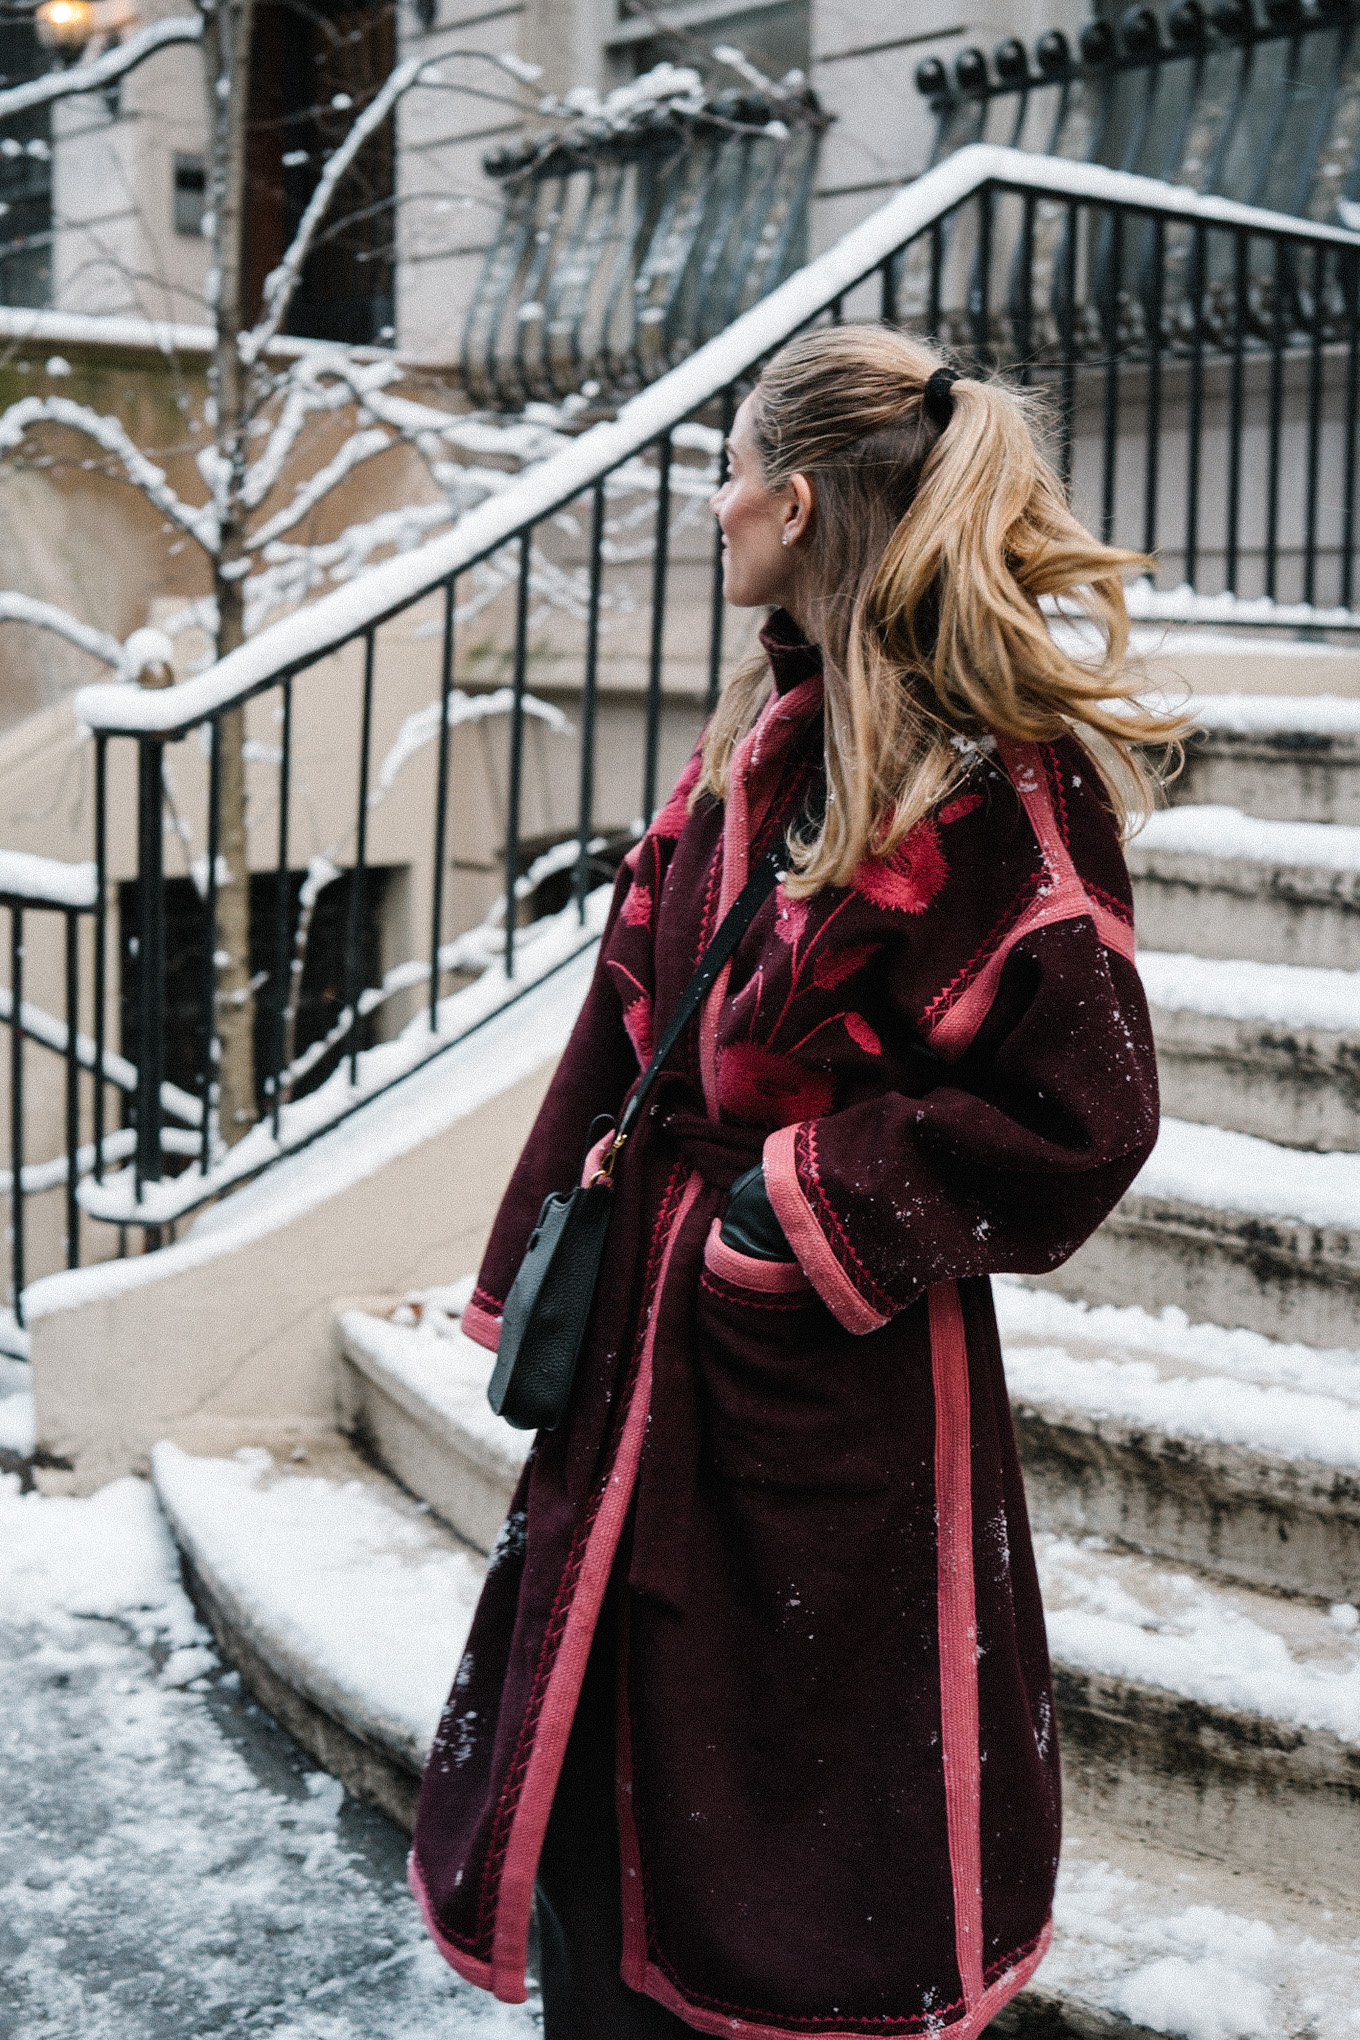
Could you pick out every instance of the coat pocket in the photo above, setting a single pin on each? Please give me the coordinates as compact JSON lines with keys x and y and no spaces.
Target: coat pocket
{"x":788,"y":1395}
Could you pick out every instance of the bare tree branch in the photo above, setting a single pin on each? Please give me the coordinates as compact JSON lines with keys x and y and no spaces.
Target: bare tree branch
{"x":105,"y":70}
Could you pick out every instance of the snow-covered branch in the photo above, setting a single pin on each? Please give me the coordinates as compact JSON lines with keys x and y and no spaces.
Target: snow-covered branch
{"x":112,"y":436}
{"x":16,"y":608}
{"x":101,"y":71}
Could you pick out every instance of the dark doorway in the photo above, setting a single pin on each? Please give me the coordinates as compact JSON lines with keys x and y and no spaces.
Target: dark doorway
{"x":25,"y":175}
{"x":315,"y":68}
{"x":323,"y":977}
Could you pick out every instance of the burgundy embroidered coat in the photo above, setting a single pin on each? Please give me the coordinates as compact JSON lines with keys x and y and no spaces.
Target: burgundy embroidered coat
{"x":838,"y":1799}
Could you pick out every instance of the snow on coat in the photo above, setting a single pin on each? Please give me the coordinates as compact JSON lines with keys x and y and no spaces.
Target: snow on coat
{"x":838,"y":1800}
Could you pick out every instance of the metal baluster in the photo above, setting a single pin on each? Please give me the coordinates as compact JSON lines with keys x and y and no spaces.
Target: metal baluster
{"x":1067,"y":321}
{"x":1024,"y":329}
{"x":1276,"y":441}
{"x":715,"y":625}
{"x":1110,"y":455}
{"x":1154,"y":391}
{"x":887,"y":306}
{"x":441,"y":804}
{"x":1233,"y":537}
{"x":587,"y":804}
{"x":660,"y":562}
{"x":936,"y":279}
{"x":982,"y":291}
{"x":1314,"y":431}
{"x":282,"y":916}
{"x":208,"y":990}
{"x":354,"y":940}
{"x":1195,"y":413}
{"x":1351,"y":286}
{"x":516,"y":750}
{"x":150,"y":965}
{"x":101,"y":883}
{"x":837,"y":310}
{"x":72,"y":1088}
{"x":16,"y":1107}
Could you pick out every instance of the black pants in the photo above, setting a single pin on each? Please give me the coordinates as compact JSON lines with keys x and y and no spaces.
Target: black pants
{"x":580,"y":1911}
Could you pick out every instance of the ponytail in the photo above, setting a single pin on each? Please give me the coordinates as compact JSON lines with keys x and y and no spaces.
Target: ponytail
{"x":938,"y":527}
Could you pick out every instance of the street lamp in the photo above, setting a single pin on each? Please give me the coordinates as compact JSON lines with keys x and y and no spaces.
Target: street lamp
{"x":69,"y":26}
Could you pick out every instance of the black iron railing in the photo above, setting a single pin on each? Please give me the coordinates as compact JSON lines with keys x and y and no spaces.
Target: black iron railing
{"x":1200,"y":365}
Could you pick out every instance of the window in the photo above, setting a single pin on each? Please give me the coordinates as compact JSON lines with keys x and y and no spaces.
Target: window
{"x":191,"y":187}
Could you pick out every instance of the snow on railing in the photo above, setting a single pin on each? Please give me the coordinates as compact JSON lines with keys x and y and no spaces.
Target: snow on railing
{"x":343,"y":613}
{"x":46,"y":881}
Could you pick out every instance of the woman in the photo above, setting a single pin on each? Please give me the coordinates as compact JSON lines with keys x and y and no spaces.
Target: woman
{"x":758,"y":1689}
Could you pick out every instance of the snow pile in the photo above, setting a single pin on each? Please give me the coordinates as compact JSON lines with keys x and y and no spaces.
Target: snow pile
{"x":1225,"y":1647}
{"x":1161,"y":1956}
{"x":446,"y":1373}
{"x":110,"y":1556}
{"x":1314,"y":1427}
{"x":1212,"y":831}
{"x":1208,"y":1165}
{"x":364,"y":1605}
{"x":17,"y":1433}
{"x":1276,"y":994}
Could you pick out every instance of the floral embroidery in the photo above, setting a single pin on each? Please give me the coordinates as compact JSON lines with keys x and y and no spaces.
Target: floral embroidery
{"x":756,"y":1084}
{"x":637,"y":908}
{"x":790,"y":920}
{"x":862,"y":1034}
{"x":834,"y":966}
{"x":637,"y":1018}
{"x":957,"y":809}
{"x":910,"y":878}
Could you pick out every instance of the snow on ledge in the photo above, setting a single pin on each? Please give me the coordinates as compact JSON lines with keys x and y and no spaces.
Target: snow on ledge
{"x":447,"y":1373}
{"x":1275,"y":994}
{"x":426,"y":1103}
{"x":46,"y":881}
{"x":1268,"y":715}
{"x":1237,"y":1172}
{"x":362,"y":1606}
{"x":1212,"y":831}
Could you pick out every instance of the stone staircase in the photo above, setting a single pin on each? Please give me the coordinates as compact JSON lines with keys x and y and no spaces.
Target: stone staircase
{"x":1187,"y":1393}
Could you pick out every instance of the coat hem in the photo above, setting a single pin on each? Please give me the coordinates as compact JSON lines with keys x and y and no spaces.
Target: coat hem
{"x":758,"y":2026}
{"x":469,"y":1967}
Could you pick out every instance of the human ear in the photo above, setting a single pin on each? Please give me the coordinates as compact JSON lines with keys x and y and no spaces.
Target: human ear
{"x":798,"y":514}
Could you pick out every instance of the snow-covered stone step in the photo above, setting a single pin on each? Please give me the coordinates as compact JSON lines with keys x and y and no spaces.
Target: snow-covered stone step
{"x":414,"y":1390}
{"x":1235,"y":1231}
{"x":1219,"y":1449}
{"x":1266,"y":1048}
{"x":1212,"y":881}
{"x":1217,"y":1718}
{"x":1289,"y":758}
{"x":343,"y":1603}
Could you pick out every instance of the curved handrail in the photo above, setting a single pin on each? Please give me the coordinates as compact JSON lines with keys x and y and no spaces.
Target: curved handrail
{"x":343,"y":613}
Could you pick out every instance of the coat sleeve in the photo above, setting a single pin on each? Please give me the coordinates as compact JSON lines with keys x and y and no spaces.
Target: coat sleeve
{"x":598,"y":1067}
{"x":1008,"y":1164}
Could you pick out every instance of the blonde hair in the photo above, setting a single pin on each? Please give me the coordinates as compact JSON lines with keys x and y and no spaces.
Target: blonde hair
{"x":920,"y":579}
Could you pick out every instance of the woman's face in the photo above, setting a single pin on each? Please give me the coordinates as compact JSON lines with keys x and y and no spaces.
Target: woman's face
{"x":761,"y":526}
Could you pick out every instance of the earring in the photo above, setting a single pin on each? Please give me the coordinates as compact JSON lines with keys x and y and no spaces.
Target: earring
{"x":786,"y":538}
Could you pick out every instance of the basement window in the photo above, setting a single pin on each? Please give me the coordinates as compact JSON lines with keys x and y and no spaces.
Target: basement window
{"x":191,"y":192}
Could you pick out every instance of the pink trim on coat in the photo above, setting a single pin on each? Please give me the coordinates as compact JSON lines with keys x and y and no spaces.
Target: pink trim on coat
{"x":1064,"y":899}
{"x":481,"y":1325}
{"x":746,"y":1271}
{"x":520,"y":1866}
{"x":958,"y":1627}
{"x":596,"y":1156}
{"x":633,"y":1967}
{"x":467,"y":1966}
{"x":975,"y":2020}
{"x":807,"y":1239}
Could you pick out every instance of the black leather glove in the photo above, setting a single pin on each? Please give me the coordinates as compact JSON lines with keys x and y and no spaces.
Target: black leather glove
{"x":750,"y":1226}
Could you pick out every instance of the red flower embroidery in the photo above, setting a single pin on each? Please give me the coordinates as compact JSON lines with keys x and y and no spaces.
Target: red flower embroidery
{"x":908,"y":880}
{"x":637,"y":908}
{"x":772,"y":1090}
{"x":957,"y":809}
{"x":637,"y":1018}
{"x":834,"y":966}
{"x":675,"y":814}
{"x":862,"y":1034}
{"x":790,"y":919}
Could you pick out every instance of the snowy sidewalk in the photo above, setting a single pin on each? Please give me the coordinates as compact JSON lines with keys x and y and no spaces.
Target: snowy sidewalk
{"x":170,"y":1863}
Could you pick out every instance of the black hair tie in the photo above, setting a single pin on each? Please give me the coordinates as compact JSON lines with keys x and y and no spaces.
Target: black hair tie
{"x":937,"y":398}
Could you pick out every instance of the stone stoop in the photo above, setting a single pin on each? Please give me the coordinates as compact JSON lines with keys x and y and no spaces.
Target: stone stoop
{"x":1287,"y":759}
{"x":1215,"y":882}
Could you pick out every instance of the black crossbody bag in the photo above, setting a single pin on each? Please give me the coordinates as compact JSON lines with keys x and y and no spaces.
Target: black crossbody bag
{"x":549,"y":1302}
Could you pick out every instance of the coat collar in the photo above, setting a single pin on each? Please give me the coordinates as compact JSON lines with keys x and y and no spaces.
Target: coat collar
{"x":792,"y":659}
